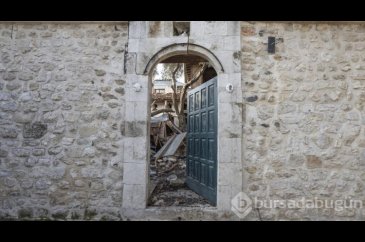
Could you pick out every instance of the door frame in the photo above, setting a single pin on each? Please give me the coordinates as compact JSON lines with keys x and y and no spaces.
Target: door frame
{"x":229,"y":131}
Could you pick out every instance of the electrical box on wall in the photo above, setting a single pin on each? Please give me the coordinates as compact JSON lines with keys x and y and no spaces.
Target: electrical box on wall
{"x":271,"y":45}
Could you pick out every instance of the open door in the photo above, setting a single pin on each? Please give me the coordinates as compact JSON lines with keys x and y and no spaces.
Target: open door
{"x":202,"y":140}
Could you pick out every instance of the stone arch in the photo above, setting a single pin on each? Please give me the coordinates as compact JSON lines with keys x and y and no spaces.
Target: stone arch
{"x":183,"y":48}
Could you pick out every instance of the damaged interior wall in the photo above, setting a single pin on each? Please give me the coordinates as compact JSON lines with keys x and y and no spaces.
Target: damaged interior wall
{"x":304,"y":117}
{"x":61,"y":110}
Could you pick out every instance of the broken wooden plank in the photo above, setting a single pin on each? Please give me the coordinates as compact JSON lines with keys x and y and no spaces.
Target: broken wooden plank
{"x":164,"y":148}
{"x":173,"y":127}
{"x":155,"y":120}
{"x":175,"y":144}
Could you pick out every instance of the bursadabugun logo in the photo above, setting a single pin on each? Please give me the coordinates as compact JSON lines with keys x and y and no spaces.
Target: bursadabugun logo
{"x":242,"y":204}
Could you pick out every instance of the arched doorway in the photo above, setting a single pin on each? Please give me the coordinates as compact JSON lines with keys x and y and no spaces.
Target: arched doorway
{"x":145,"y":50}
{"x":199,"y":158}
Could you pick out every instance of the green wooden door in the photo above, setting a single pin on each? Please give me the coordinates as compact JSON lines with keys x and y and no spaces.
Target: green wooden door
{"x":202,"y":140}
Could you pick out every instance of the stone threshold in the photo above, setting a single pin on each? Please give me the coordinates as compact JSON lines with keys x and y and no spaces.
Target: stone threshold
{"x":180,"y":213}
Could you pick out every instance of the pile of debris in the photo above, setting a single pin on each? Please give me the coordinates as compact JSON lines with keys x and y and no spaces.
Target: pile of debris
{"x":169,"y":188}
{"x":167,"y":144}
{"x":168,"y":166}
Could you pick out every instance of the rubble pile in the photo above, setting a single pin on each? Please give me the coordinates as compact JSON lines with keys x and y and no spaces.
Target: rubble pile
{"x":170,"y":189}
{"x":168,"y":166}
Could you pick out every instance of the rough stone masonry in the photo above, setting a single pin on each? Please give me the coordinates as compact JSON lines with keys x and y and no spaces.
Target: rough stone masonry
{"x":61,"y":107}
{"x":63,"y":121}
{"x":304,"y":135}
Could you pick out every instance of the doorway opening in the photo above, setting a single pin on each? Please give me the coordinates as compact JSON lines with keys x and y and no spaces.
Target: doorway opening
{"x":173,"y":80}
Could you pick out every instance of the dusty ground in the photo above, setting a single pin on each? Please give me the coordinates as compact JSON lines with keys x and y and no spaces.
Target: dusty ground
{"x":168,"y":180}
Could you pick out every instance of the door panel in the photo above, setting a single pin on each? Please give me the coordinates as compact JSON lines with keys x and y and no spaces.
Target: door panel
{"x":202,"y":140}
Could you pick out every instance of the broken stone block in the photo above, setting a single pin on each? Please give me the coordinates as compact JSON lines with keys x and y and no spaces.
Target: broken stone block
{"x":159,"y":202}
{"x":171,"y":178}
{"x":172,"y":158}
{"x":177,"y":182}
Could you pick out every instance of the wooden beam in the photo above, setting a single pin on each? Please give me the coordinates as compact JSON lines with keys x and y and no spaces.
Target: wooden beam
{"x":163,"y":148}
{"x":173,"y":126}
{"x":175,"y":144}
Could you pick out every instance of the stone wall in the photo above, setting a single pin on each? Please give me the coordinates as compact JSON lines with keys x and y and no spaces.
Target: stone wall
{"x":74,"y":112}
{"x":61,"y":111}
{"x":304,"y":118}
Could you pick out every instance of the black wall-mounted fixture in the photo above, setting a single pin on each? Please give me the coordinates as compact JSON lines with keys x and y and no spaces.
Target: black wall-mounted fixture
{"x":271,"y":45}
